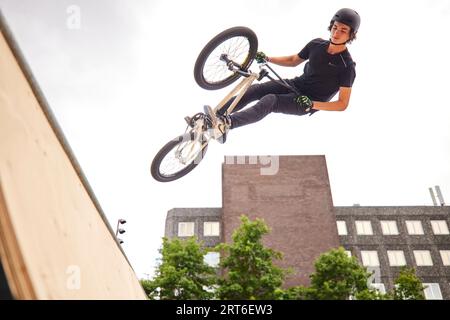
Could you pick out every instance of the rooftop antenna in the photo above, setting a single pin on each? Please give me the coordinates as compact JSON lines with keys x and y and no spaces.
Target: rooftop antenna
{"x":433,"y":197}
{"x":439,"y":195}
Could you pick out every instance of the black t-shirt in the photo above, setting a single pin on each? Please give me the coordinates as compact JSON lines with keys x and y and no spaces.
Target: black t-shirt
{"x":324,"y":73}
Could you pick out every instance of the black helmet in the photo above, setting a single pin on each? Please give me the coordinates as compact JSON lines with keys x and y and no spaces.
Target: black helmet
{"x":348,"y":17}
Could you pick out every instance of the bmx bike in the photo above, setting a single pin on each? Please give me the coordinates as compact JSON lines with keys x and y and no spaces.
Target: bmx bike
{"x":225,"y":58}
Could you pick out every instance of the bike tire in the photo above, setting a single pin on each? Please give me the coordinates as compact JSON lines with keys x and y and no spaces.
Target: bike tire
{"x":229,"y":77}
{"x":164,"y":151}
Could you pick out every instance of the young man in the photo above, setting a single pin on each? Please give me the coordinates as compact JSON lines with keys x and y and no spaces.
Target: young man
{"x":330,"y":69}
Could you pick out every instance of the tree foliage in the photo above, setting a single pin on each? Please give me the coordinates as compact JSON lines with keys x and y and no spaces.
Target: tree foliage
{"x":408,"y":286}
{"x":248,"y":272}
{"x":182,"y":273}
{"x":337,"y":276}
{"x":249,"y":269}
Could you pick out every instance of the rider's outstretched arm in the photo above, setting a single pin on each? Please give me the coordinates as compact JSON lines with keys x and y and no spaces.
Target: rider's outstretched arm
{"x":288,"y":61}
{"x":338,"y":105}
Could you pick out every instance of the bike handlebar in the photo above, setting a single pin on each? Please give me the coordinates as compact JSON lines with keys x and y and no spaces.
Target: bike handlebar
{"x":235,"y":67}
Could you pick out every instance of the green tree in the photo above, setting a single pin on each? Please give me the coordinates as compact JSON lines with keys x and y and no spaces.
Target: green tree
{"x":372,"y":294}
{"x":408,"y":286}
{"x":248,"y":265}
{"x":182,"y":273}
{"x":251,"y":274}
{"x":295,"y":293}
{"x":338,"y":276}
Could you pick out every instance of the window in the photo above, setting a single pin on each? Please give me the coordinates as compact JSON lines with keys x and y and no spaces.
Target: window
{"x":439,"y":226}
{"x":212,"y":259}
{"x":211,"y":229}
{"x":342,"y":228}
{"x":363,"y":228}
{"x":379,"y":287}
{"x":186,"y":229}
{"x":396,"y":258}
{"x":414,"y":226}
{"x":349,"y":253}
{"x":423,"y":257}
{"x":432,"y":291}
{"x":389,"y":227}
{"x":370,"y":259}
{"x":445,"y":255}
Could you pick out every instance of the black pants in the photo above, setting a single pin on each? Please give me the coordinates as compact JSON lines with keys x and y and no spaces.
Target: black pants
{"x":272,"y":96}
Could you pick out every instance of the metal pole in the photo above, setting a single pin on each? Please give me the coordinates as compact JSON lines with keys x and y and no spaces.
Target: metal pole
{"x":117,"y":228}
{"x":439,"y":195}
{"x":433,"y":197}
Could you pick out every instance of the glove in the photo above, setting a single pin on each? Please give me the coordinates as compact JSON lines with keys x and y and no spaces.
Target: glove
{"x":304,"y":102}
{"x":260,"y":57}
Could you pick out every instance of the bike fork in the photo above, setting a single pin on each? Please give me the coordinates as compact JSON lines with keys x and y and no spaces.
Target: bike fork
{"x":197,"y":133}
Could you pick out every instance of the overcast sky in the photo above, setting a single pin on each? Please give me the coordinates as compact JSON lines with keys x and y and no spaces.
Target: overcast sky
{"x":121,"y":81}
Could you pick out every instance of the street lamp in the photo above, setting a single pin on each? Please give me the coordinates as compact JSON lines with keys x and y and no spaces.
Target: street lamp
{"x":120,"y":230}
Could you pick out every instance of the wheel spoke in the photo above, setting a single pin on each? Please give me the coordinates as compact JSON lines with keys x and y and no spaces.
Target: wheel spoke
{"x":180,"y":157}
{"x":237,"y":49}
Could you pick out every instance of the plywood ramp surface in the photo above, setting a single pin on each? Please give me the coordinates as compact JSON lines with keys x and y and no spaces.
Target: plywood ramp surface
{"x":54,"y":243}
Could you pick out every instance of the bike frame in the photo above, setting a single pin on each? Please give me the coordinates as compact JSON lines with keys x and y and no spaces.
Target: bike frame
{"x":242,"y":87}
{"x":239,"y":90}
{"x":249,"y":78}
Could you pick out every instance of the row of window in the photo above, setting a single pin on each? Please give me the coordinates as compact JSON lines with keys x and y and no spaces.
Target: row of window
{"x":363,"y":227}
{"x":397,"y":258}
{"x":432,"y":291}
{"x":210,"y":229}
{"x":389,"y":227}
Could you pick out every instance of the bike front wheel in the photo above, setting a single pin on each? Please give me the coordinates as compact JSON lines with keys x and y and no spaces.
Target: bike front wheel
{"x":238,"y":43}
{"x":178,"y":157}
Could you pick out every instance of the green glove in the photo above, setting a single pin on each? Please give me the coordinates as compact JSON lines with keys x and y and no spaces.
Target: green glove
{"x":260,"y":57}
{"x":304,"y":102}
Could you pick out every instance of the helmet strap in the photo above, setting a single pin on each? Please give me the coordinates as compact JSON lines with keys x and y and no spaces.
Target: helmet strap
{"x":337,"y":44}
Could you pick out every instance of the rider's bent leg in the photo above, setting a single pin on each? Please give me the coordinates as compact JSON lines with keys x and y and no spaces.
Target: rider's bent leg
{"x":279,"y":103}
{"x":255,"y":92}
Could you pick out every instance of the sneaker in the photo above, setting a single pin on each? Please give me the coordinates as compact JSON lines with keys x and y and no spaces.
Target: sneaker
{"x":220,"y":125}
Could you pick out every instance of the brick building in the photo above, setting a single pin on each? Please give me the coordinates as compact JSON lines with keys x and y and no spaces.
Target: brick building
{"x":294,"y":198}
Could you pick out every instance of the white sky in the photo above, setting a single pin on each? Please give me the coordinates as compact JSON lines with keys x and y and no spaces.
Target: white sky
{"x":121,"y":84}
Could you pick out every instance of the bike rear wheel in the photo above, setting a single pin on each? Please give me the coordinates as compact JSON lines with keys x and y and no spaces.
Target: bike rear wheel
{"x":238,"y":43}
{"x":178,"y":157}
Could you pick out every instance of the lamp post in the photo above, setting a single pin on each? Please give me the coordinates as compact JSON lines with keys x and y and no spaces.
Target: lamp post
{"x":120,"y":230}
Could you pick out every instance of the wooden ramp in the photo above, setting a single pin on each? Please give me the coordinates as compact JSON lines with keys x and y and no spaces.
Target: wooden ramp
{"x":55,"y":242}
